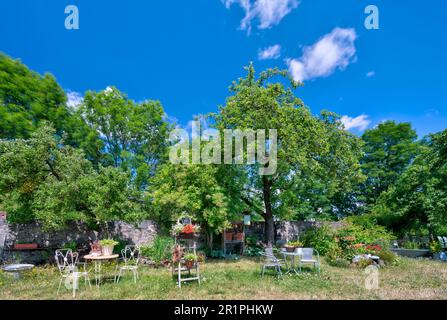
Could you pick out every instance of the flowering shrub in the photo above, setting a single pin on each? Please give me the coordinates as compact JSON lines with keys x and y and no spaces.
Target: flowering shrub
{"x":187,"y":229}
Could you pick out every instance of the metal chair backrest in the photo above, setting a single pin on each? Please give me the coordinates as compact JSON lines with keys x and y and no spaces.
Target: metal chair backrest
{"x":131,"y":255}
{"x":307,"y":253}
{"x":66,"y":260}
{"x":445,"y":242}
{"x":268,"y":254}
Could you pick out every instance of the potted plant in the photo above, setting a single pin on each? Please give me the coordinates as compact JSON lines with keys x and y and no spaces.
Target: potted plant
{"x":107,"y":246}
{"x":189,"y":231}
{"x":239,"y":236}
{"x":190,"y":260}
{"x":228,"y":236}
{"x":176,"y":229}
{"x":291,"y":246}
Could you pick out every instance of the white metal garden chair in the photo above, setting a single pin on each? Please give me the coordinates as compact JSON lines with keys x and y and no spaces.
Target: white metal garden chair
{"x":131,"y":257}
{"x":443,"y":242}
{"x":67,"y":263}
{"x":309,"y":258}
{"x":271,"y":262}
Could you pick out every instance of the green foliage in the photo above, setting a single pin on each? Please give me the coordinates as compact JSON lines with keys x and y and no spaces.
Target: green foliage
{"x":159,"y":250}
{"x":253,"y":251}
{"x":297,"y":244}
{"x":133,"y":135}
{"x":321,"y":239}
{"x":370,"y":234}
{"x":316,"y":158}
{"x":389,"y":257}
{"x":435,"y":247}
{"x":108,"y":242}
{"x":411,"y":245}
{"x":335,"y":257}
{"x":417,"y":203}
{"x":204,"y":191}
{"x":27,"y":99}
{"x":341,"y":245}
{"x":190,"y":257}
{"x":43,"y":179}
{"x":389,"y":149}
{"x":72,"y":245}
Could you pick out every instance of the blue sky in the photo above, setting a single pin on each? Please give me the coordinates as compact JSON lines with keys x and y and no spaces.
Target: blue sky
{"x":186,"y":53}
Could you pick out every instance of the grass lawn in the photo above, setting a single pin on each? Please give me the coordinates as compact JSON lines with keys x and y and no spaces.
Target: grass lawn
{"x":411,"y":279}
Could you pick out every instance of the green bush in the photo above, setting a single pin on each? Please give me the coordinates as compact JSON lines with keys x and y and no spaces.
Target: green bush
{"x":389,"y":257}
{"x":321,"y":239}
{"x":253,"y":251}
{"x":334,"y":257}
{"x":159,"y":250}
{"x":72,"y":245}
{"x":367,"y":234}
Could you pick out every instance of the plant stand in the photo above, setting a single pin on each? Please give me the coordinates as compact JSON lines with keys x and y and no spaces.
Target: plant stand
{"x":234,"y":242}
{"x":183,"y":273}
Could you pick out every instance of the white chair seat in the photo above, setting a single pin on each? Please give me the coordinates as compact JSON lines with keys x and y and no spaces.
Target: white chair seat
{"x":309,"y":261}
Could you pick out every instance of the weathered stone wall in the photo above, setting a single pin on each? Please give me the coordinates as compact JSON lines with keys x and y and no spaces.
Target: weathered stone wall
{"x":285,"y":230}
{"x":141,"y":233}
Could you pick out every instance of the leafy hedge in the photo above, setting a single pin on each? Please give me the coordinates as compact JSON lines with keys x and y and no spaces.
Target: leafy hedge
{"x":354,"y":238}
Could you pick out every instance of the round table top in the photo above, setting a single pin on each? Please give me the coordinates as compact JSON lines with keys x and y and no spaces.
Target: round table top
{"x":295,"y":253}
{"x":17,"y":267}
{"x":97,"y":257}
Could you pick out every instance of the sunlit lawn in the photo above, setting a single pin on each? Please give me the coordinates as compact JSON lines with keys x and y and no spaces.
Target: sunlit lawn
{"x":411,"y":279}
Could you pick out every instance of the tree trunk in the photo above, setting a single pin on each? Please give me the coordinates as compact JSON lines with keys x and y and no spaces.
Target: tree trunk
{"x":269,"y":228}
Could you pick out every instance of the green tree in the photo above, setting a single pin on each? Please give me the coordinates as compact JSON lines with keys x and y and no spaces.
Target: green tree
{"x":208,"y":193}
{"x":42,"y":179}
{"x":314,"y":153}
{"x":417,"y":202}
{"x":114,"y":130}
{"x":389,"y":149}
{"x":27,"y":98}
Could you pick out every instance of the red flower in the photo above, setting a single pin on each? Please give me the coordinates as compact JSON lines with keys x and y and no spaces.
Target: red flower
{"x":189,"y":228}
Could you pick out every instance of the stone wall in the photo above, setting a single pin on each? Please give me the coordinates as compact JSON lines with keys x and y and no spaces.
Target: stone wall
{"x":285,"y":230}
{"x":142,"y":233}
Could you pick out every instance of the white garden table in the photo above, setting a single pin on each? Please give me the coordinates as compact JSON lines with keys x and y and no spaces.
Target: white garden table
{"x":17,"y":269}
{"x":98,"y":260}
{"x":292,"y":256}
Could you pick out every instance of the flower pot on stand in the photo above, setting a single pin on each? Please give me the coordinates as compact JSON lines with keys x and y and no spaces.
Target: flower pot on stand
{"x":107,"y":250}
{"x":290,"y":248}
{"x":189,"y":264}
{"x":228,"y":236}
{"x":239,"y":236}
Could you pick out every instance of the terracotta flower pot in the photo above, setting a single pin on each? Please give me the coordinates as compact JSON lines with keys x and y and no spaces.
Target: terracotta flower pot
{"x":239,"y":236}
{"x":25,"y":246}
{"x":228,"y":236}
{"x":290,"y":248}
{"x":189,"y":264}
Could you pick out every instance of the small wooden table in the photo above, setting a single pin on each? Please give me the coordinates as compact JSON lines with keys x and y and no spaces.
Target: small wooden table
{"x":98,"y":260}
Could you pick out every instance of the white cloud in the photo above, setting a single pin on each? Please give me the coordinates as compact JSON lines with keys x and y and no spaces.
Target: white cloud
{"x":335,"y":50}
{"x":273,"y":52}
{"x":74,"y":99}
{"x":371,"y":74}
{"x":268,"y":13}
{"x":360,"y":123}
